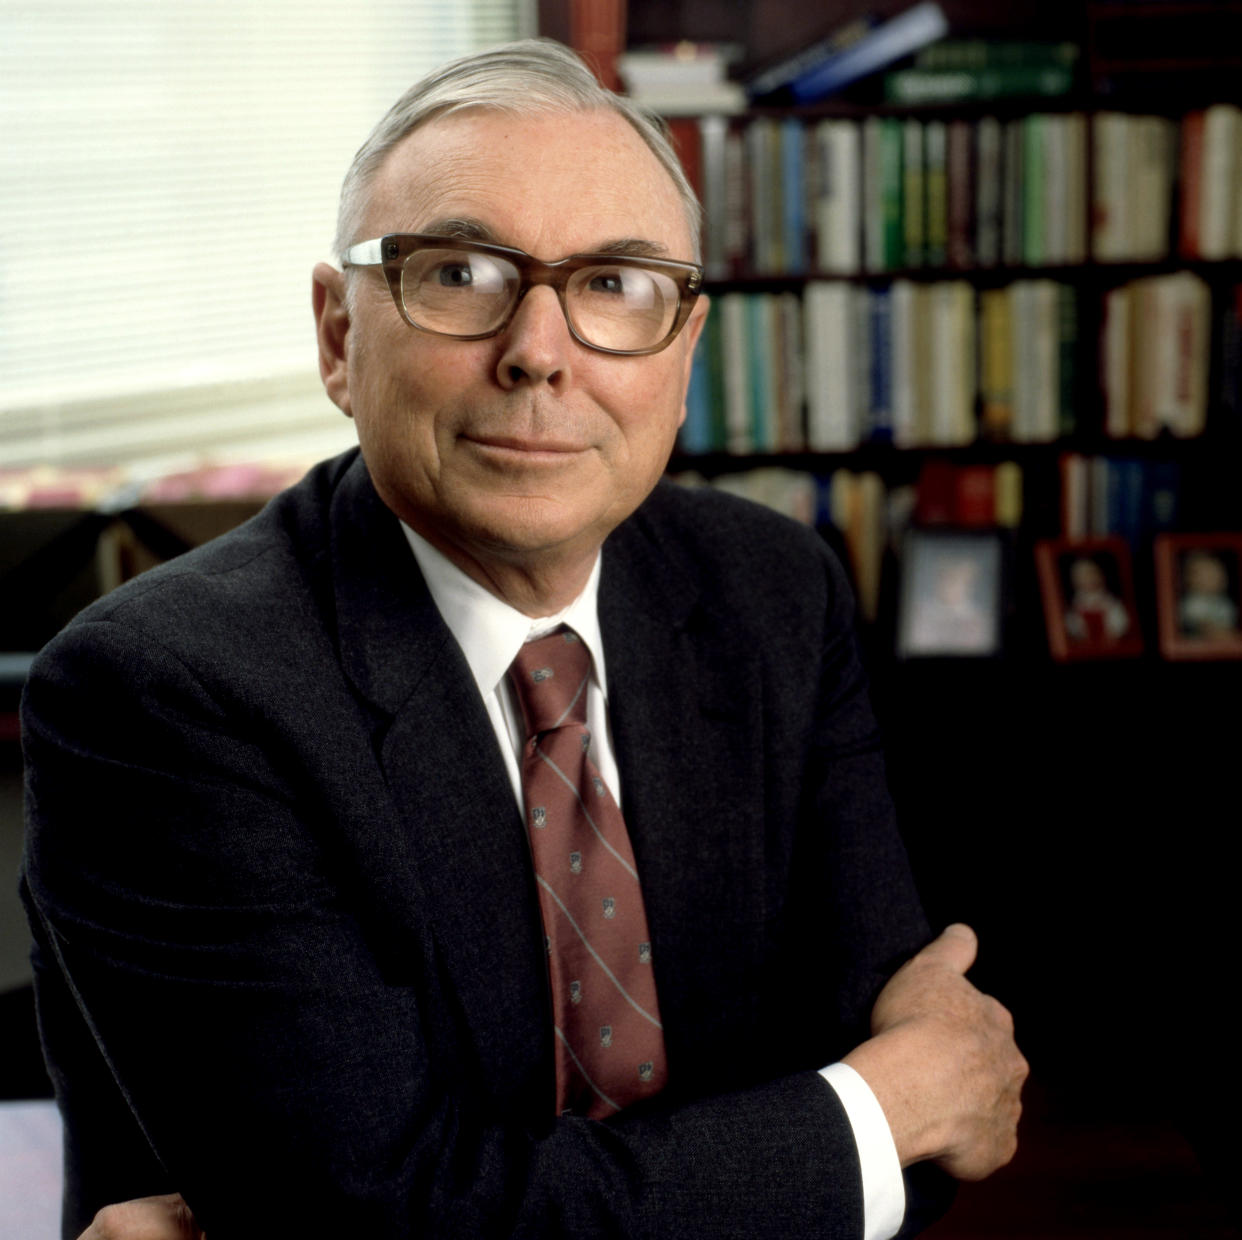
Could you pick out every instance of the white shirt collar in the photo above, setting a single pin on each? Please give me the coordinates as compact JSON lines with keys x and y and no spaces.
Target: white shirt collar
{"x":488,"y":630}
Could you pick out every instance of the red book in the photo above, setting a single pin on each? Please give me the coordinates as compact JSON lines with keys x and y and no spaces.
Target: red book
{"x":1192,"y":184}
{"x":975,"y":495}
{"x":685,"y":132}
{"x":937,"y":494}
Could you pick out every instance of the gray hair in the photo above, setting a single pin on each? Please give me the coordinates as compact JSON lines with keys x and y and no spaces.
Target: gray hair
{"x":524,"y":78}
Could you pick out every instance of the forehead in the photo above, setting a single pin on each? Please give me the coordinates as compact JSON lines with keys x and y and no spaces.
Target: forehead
{"x":550,"y":183}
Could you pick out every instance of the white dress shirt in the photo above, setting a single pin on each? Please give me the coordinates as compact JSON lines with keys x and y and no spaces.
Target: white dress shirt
{"x":490,"y":634}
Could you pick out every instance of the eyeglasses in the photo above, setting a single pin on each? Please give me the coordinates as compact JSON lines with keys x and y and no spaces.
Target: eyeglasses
{"x":470,"y":290}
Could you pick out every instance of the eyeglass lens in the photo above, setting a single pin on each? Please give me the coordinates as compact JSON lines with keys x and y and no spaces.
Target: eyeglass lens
{"x":612,"y":306}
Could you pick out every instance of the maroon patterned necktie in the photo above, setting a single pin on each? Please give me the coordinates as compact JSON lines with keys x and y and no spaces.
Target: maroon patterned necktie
{"x":609,"y":1040}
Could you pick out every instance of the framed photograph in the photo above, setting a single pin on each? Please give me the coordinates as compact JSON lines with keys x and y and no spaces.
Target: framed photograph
{"x":1199,"y":595}
{"x":1088,"y":594}
{"x":951,"y":600}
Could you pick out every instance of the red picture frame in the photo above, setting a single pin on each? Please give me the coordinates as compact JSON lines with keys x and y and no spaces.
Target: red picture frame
{"x":1199,"y":595}
{"x":1088,"y":594}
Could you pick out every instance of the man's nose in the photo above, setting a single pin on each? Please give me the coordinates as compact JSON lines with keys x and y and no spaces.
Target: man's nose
{"x":537,"y":344}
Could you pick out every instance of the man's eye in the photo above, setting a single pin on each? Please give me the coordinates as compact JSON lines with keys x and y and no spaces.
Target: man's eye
{"x":455,"y":275}
{"x":608,"y":282}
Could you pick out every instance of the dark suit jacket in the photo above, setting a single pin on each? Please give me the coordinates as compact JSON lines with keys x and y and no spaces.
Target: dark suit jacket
{"x":289,"y":955}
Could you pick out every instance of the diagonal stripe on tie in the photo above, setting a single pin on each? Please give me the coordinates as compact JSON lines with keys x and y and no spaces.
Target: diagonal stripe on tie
{"x":586,"y":942}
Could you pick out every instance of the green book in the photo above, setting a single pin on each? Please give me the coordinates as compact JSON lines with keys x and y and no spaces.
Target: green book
{"x":1033,"y":171}
{"x":995,"y":53}
{"x":919,"y":86}
{"x":891,"y":188}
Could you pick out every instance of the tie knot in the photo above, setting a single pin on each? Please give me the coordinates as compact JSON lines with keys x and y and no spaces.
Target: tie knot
{"x":550,"y":675}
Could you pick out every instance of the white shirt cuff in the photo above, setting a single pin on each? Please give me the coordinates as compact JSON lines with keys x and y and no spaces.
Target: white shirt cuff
{"x":884,"y":1191}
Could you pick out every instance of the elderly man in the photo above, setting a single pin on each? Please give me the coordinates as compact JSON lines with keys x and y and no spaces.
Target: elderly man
{"x":494,"y":838}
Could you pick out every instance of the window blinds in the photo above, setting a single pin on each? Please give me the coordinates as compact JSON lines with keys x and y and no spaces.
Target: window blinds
{"x":170,"y":175}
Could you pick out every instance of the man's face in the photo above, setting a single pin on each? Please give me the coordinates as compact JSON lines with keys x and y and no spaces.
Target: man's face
{"x":527,"y":447}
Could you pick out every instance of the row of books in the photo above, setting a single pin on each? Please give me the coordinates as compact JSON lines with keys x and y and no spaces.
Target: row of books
{"x":1163,"y":185}
{"x":1121,"y":497}
{"x":915,"y":364}
{"x":788,"y":196}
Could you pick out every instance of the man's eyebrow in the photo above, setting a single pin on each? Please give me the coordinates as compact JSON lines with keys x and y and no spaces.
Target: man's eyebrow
{"x":633,"y":247}
{"x":466,"y":228}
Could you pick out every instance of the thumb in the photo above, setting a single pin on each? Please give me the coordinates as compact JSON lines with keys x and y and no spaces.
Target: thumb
{"x":955,"y":949}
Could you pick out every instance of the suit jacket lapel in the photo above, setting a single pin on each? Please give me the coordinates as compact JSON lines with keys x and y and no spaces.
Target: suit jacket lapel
{"x":466,"y":859}
{"x":685,"y":713}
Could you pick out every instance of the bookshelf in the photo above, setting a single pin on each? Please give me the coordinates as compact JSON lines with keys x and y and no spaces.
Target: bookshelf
{"x":1020,"y":282}
{"x":1053,"y":805}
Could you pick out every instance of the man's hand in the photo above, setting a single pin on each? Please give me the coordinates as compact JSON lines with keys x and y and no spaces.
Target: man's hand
{"x":149,"y":1218}
{"x":942,"y":1063}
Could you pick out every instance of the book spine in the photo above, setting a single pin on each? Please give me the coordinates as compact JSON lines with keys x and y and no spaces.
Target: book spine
{"x":892,"y":40}
{"x":1191,"y":181}
{"x":1067,"y":358}
{"x":792,"y":423}
{"x":1109,"y":192}
{"x":1115,"y":362}
{"x":1222,"y":136}
{"x":903,"y":309}
{"x":760,"y":368}
{"x":739,"y":433}
{"x":936,"y":183}
{"x":891,"y":193}
{"x":988,"y":192}
{"x":1076,"y":207}
{"x":914,"y":197}
{"x":1011,"y":217}
{"x":960,"y":169}
{"x":1034,"y":188}
{"x":833,"y":399}
{"x":880,"y":427}
{"x":996,"y":363}
{"x":712,"y":131}
{"x":793,"y":198}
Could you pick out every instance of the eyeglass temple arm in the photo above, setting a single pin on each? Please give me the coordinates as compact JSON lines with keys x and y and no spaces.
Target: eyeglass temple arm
{"x":364,"y":254}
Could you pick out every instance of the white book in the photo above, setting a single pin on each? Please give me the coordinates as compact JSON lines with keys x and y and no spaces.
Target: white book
{"x":1046,"y":316}
{"x":1150,"y":185}
{"x":1036,"y":361}
{"x":712,"y":133}
{"x":1110,"y":197}
{"x":1186,"y":316}
{"x":873,"y":193}
{"x":1055,"y":134}
{"x":904,"y":309}
{"x":953,"y":364}
{"x":830,"y":329}
{"x":838,"y":210}
{"x":1218,"y":200}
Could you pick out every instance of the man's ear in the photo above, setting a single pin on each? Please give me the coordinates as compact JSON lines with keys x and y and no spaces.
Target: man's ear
{"x":332,"y":329}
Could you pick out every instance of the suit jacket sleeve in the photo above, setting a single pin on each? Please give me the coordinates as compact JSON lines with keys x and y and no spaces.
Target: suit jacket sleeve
{"x":257,"y":988}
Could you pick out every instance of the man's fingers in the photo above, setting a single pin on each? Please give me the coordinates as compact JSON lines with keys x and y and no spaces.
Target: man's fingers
{"x":955,"y":949}
{"x":148,"y":1218}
